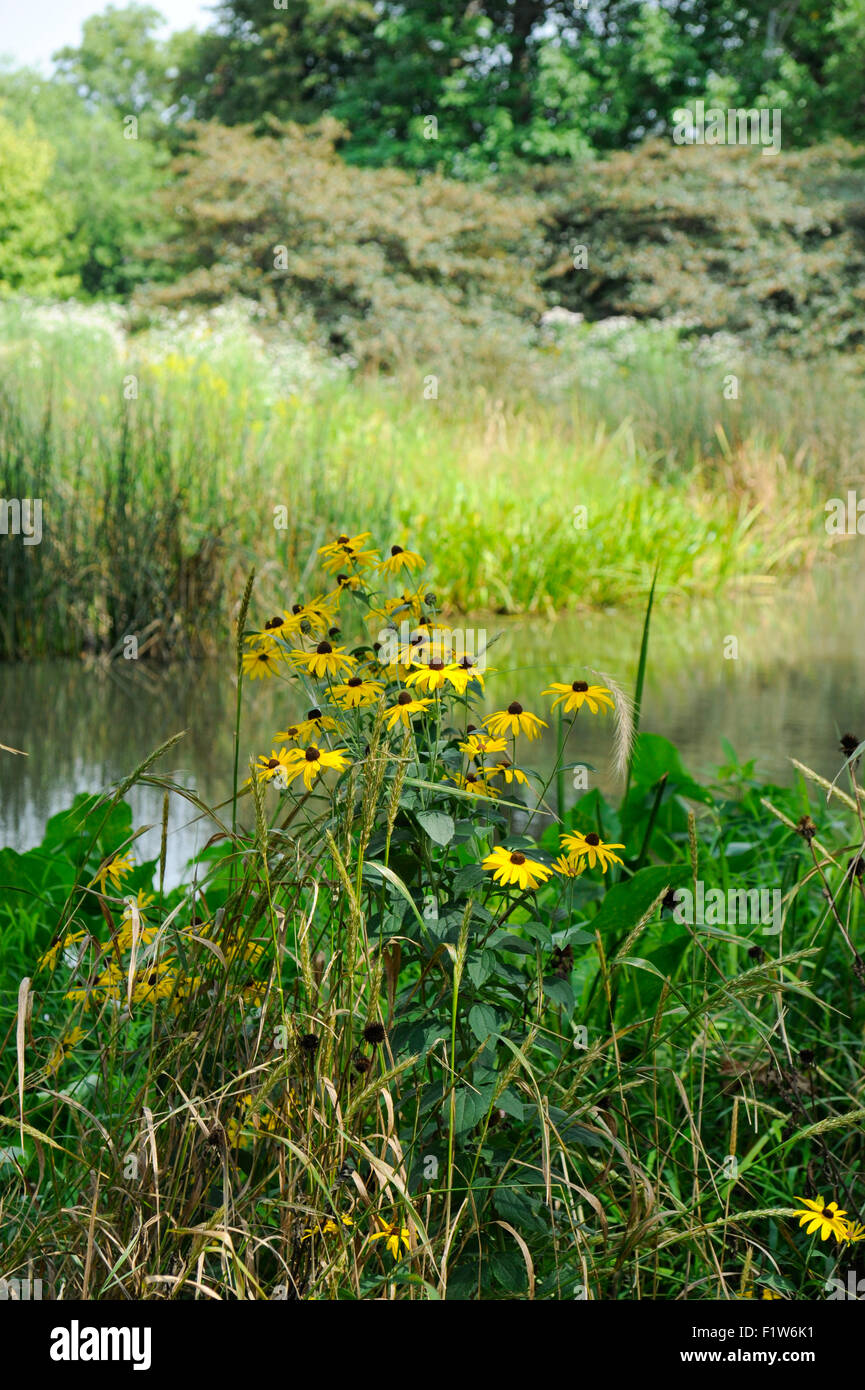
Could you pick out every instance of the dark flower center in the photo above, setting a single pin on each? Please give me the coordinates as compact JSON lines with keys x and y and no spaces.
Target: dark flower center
{"x":273,"y":762}
{"x":297,"y":608}
{"x":592,"y":838}
{"x":436,"y":666}
{"x":355,"y":682}
{"x":403,"y":698}
{"x":274,"y":622}
{"x":515,"y":708}
{"x":517,"y":858}
{"x":827,"y":1211}
{"x":396,"y":550}
{"x":324,"y":648}
{"x":342,"y":540}
{"x":581,"y":686}
{"x":312,"y":754}
{"x":470,"y":777}
{"x":313,"y":714}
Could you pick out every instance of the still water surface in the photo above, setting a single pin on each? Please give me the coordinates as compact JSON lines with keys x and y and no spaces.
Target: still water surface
{"x":797,"y":682}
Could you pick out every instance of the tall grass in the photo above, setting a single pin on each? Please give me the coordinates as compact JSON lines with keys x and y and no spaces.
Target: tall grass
{"x":163,"y":469}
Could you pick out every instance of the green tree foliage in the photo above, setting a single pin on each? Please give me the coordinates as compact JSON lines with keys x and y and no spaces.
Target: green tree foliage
{"x":772,"y":250}
{"x":30,"y":227}
{"x":381,"y":265}
{"x":104,"y":186}
{"x":525,"y":80}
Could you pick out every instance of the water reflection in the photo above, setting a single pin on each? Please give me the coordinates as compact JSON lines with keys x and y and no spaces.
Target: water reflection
{"x":793,"y":685}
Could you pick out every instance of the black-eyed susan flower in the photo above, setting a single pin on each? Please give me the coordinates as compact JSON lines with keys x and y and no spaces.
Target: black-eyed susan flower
{"x":478,"y":745}
{"x":462,"y":672}
{"x":505,"y":768}
{"x":569,"y":868}
{"x":400,"y":559}
{"x":855,"y":1231}
{"x":312,"y":726}
{"x":406,"y":705}
{"x":578,"y":693}
{"x":408,"y":604}
{"x":273,"y":767}
{"x":347,"y":552}
{"x":357,"y":691}
{"x":592,"y":848}
{"x":261,"y":663}
{"x":393,"y":1236}
{"x":515,"y":720}
{"x":114,"y":869}
{"x":325,"y":660}
{"x":281,"y":625}
{"x":311,"y":762}
{"x":431,"y":677}
{"x":48,"y":960}
{"x":62,"y":1048}
{"x":475,"y":783}
{"x":145,"y":933}
{"x":511,"y":866}
{"x":326,"y":1228}
{"x":825,"y":1217}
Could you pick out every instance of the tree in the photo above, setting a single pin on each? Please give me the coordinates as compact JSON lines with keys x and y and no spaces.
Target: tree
{"x":104,"y":187}
{"x":375,"y":263}
{"x":31,"y":228}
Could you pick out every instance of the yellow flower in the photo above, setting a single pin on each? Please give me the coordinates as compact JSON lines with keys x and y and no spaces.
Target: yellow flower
{"x":260,"y":664}
{"x":393,"y":1235}
{"x":770,"y":1293}
{"x":327,"y":1228}
{"x":310,"y":762}
{"x":477,"y":745}
{"x":515,"y":720}
{"x":578,"y":693}
{"x":282,"y":625}
{"x":61,"y":1049}
{"x":114,"y":869}
{"x":154,"y":982}
{"x":512,"y":866}
{"x":474,"y":782}
{"x":146,"y":934}
{"x":324,"y":661}
{"x":405,"y":602}
{"x":357,"y":691}
{"x":400,"y":559}
{"x":823,"y":1217}
{"x":506,"y":769}
{"x":49,"y":959}
{"x":592,"y":848}
{"x":855,"y":1231}
{"x":276,"y":766}
{"x":313,"y":725}
{"x":404,"y":708}
{"x":571,"y":868}
{"x":347,"y":550}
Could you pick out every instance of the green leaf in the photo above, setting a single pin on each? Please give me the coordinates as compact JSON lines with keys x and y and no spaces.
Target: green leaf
{"x":483,"y":1021}
{"x":438,"y":825}
{"x":627,"y":902}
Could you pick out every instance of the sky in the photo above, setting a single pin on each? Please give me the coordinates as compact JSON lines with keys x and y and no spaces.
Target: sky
{"x":31,"y":30}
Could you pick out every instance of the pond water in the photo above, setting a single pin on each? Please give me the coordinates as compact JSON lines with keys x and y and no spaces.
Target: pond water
{"x":794,"y":684}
